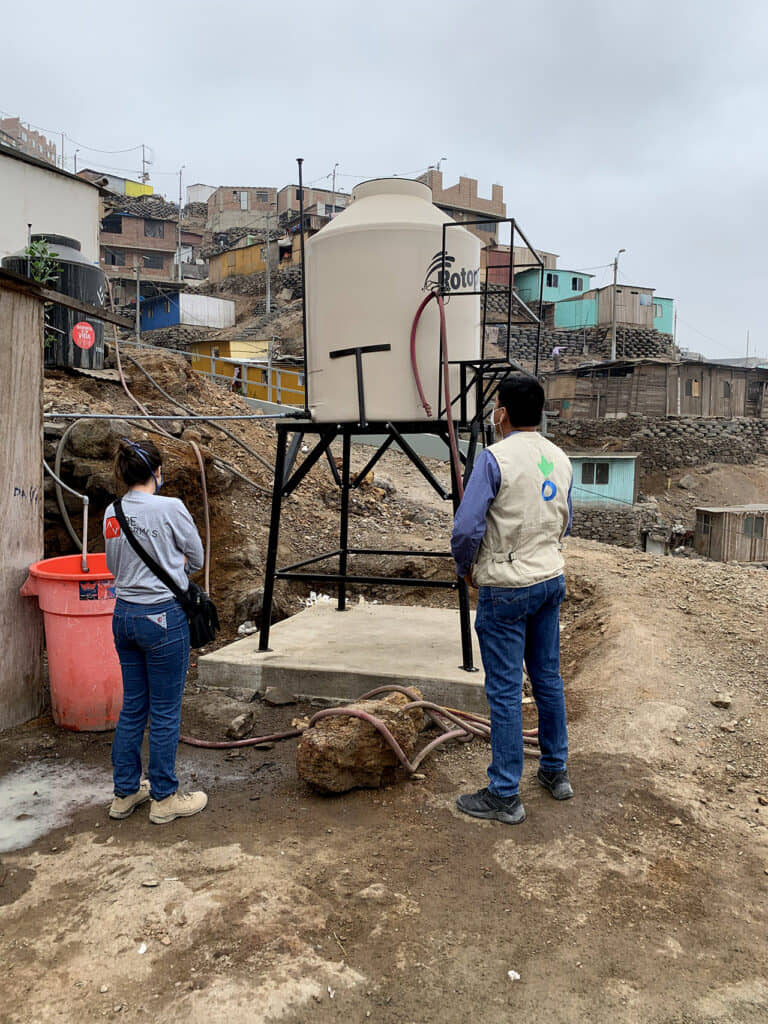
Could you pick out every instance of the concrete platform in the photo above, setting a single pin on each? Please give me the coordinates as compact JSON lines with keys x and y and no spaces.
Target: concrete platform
{"x":325,"y":653}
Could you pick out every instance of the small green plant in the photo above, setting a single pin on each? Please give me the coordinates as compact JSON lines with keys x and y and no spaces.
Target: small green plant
{"x":43,"y":265}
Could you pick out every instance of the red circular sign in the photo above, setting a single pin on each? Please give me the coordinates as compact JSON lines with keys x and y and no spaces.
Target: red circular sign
{"x":83,"y":334}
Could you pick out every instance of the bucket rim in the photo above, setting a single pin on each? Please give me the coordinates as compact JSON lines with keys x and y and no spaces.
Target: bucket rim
{"x":68,"y":568}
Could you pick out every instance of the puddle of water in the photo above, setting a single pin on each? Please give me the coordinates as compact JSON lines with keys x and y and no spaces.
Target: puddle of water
{"x":41,"y":797}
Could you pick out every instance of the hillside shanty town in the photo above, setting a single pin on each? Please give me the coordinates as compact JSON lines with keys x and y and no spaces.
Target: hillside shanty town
{"x":384,"y":577}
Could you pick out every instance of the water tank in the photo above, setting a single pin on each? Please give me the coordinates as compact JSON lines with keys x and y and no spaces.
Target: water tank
{"x":71,"y":339}
{"x":367,"y":272}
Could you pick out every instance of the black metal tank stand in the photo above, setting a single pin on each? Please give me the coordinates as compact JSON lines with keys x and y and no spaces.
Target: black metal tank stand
{"x":287,"y":480}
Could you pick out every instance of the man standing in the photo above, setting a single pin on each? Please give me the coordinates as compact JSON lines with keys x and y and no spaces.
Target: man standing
{"x":507,"y":540}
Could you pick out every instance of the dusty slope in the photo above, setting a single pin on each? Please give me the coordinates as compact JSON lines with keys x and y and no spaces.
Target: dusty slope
{"x":642,"y":901}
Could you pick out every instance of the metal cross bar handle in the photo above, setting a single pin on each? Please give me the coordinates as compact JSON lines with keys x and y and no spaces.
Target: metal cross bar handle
{"x":357,"y":352}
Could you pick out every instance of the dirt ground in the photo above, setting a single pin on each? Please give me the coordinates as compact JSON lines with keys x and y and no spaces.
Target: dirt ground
{"x":644,"y":899}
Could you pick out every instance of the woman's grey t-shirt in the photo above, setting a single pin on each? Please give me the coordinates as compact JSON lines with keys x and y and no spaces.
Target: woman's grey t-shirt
{"x":166,"y":530}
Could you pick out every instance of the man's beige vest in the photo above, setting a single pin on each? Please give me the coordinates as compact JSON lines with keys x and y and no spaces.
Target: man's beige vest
{"x":527,"y":520}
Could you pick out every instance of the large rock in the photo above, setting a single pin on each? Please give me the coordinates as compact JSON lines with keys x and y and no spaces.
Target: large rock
{"x":341,"y":753}
{"x":249,"y":605}
{"x":95,"y":439}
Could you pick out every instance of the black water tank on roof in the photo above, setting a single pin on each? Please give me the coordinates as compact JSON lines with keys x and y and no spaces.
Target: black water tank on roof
{"x":71,"y":339}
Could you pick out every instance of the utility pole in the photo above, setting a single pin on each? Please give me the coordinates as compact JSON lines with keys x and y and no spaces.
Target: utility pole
{"x":747,"y":346}
{"x":268,"y":305}
{"x":75,"y":159}
{"x":674,"y":333}
{"x":144,"y":172}
{"x":136,"y":260}
{"x":62,"y":151}
{"x":613,"y":324}
{"x":333,"y":193}
{"x":178,"y":241}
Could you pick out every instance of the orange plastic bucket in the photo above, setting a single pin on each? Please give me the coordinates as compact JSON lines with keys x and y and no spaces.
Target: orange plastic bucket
{"x":84,"y":671}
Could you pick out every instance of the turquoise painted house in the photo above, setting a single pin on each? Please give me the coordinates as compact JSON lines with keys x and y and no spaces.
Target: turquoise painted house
{"x":663,"y":314}
{"x":603,"y":478}
{"x":558,"y":284}
{"x":635,"y":307}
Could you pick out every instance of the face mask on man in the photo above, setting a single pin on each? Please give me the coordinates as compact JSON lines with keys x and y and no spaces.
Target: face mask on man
{"x":495,"y":426}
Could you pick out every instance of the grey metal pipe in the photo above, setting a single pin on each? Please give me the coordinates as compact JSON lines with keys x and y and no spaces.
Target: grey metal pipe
{"x":131,"y":416}
{"x":82,"y":544}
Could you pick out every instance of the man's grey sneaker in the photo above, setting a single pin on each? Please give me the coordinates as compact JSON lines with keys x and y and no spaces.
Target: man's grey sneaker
{"x":485,"y":804}
{"x":177,"y":805}
{"x":123,"y":806}
{"x":557,"y":783}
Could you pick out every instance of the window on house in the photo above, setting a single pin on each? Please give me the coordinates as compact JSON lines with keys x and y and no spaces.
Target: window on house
{"x":114,"y":259}
{"x":112,"y":225}
{"x":753,"y":526}
{"x":552,"y":280}
{"x":300,"y":379}
{"x":753,"y":391}
{"x":153,"y":261}
{"x":150,"y":312}
{"x":645,"y":300}
{"x":595,"y":472}
{"x":692,"y":388}
{"x":726,"y":389}
{"x":489,"y":226}
{"x":167,"y":306}
{"x":705,"y":523}
{"x":577,"y":284}
{"x":657,"y":310}
{"x":231,"y":259}
{"x":262,"y":197}
{"x":154,"y":229}
{"x":243,"y":200}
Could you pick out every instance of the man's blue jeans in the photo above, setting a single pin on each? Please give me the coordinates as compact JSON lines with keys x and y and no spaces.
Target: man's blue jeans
{"x":512,"y":624}
{"x":152,"y":642}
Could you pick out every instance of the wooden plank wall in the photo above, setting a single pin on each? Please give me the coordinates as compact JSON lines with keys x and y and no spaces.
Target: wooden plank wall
{"x":21,"y":502}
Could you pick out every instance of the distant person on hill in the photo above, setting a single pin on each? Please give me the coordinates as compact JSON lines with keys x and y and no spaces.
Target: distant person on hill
{"x":556,"y":356}
{"x":507,"y":541}
{"x":151,"y":635}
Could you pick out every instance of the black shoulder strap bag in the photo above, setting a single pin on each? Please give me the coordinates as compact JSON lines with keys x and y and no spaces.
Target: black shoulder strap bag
{"x":200,"y":610}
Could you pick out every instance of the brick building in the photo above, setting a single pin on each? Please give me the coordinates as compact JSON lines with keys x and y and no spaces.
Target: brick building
{"x":462,"y":203}
{"x":288,"y":200}
{"x":232,"y":206}
{"x":127,"y":239}
{"x":26,"y":139}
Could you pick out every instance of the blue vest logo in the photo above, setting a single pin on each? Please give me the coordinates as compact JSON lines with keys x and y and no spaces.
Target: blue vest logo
{"x":548,"y":490}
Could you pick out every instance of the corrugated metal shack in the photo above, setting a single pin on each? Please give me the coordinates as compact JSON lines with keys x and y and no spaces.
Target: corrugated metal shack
{"x":657,"y":388}
{"x":738,"y":533}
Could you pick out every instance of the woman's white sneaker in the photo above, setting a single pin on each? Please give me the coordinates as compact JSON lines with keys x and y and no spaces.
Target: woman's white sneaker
{"x":177,"y":805}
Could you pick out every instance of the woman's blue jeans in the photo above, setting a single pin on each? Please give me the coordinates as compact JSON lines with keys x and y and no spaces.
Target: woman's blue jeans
{"x":152,"y":642}
{"x":513,"y":624}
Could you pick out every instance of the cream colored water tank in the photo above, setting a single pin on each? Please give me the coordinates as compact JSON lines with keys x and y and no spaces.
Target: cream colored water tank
{"x":367,"y":272}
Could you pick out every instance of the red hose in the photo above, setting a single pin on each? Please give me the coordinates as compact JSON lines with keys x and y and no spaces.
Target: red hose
{"x":446,"y":382}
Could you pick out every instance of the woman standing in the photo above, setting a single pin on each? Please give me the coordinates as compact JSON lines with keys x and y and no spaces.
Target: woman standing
{"x":151,"y":636}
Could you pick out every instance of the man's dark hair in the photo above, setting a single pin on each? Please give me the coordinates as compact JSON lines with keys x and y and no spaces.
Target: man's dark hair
{"x":523,"y":398}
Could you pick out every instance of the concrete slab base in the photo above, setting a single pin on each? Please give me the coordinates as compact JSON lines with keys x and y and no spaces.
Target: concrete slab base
{"x":322,"y":652}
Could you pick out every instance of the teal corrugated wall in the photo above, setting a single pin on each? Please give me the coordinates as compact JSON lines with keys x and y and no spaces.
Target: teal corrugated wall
{"x":620,"y":489}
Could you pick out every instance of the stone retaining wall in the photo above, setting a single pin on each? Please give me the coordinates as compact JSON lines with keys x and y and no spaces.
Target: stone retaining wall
{"x":666,"y":444}
{"x":621,"y":526}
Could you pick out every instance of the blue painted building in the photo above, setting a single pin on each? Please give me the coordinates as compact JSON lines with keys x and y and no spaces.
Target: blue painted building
{"x":558,"y":284}
{"x":604,"y":478}
{"x":186,"y":308}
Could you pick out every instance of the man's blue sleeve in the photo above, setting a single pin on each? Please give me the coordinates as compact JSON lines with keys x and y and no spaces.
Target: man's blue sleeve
{"x":469,"y":524}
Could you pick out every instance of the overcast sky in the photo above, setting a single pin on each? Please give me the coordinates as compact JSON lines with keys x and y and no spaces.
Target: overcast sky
{"x":609,"y":125}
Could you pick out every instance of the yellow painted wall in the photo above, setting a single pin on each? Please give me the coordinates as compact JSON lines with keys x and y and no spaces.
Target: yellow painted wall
{"x":237,"y":261}
{"x":137,"y":188}
{"x":287,"y":381}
